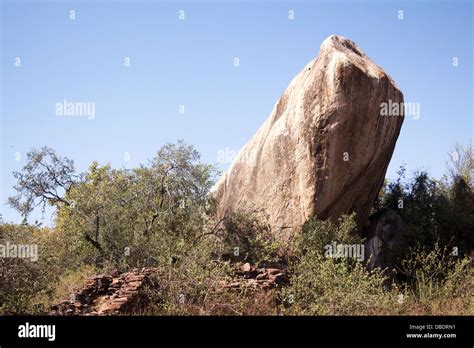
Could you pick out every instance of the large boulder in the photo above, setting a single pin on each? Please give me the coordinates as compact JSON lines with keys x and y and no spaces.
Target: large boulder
{"x":325,"y":148}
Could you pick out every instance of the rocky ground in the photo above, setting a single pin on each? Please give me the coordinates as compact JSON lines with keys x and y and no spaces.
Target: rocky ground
{"x":107,"y":294}
{"x":124,"y":293}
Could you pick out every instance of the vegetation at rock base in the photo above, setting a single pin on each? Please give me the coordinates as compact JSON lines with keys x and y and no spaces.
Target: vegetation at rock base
{"x":161,"y":215}
{"x":436,"y":211}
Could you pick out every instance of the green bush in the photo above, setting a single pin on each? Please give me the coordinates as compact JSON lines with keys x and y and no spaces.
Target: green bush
{"x":247,"y":236}
{"x":322,"y":285}
{"x":436,"y":211}
{"x":435,"y":273}
{"x":186,"y":281}
{"x":26,"y":283}
{"x":316,"y":234}
{"x":325,"y":286}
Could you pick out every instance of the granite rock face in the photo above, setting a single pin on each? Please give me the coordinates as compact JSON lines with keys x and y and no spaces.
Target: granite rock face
{"x":325,"y":148}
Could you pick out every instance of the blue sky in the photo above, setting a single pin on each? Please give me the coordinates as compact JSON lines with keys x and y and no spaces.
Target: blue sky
{"x":189,"y":62}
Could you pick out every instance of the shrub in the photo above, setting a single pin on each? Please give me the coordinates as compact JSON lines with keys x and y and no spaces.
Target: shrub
{"x":436,"y":211}
{"x":25,"y":283}
{"x":315,"y":234}
{"x":325,"y":285}
{"x":187,"y":279}
{"x":247,"y":236}
{"x":192,"y":282}
{"x":434,"y":273}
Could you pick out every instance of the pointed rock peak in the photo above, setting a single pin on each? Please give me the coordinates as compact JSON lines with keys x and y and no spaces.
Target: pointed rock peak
{"x":342,"y":44}
{"x":342,"y":49}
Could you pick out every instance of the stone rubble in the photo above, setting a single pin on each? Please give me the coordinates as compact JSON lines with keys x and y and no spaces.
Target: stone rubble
{"x":107,"y":295}
{"x":122,"y":294}
{"x":249,"y":276}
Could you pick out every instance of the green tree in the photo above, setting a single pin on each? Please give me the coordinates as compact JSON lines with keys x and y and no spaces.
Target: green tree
{"x":43,"y":180}
{"x":120,"y":217}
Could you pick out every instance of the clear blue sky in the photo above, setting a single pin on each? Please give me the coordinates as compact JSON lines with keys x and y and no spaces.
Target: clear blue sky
{"x":190,"y":62}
